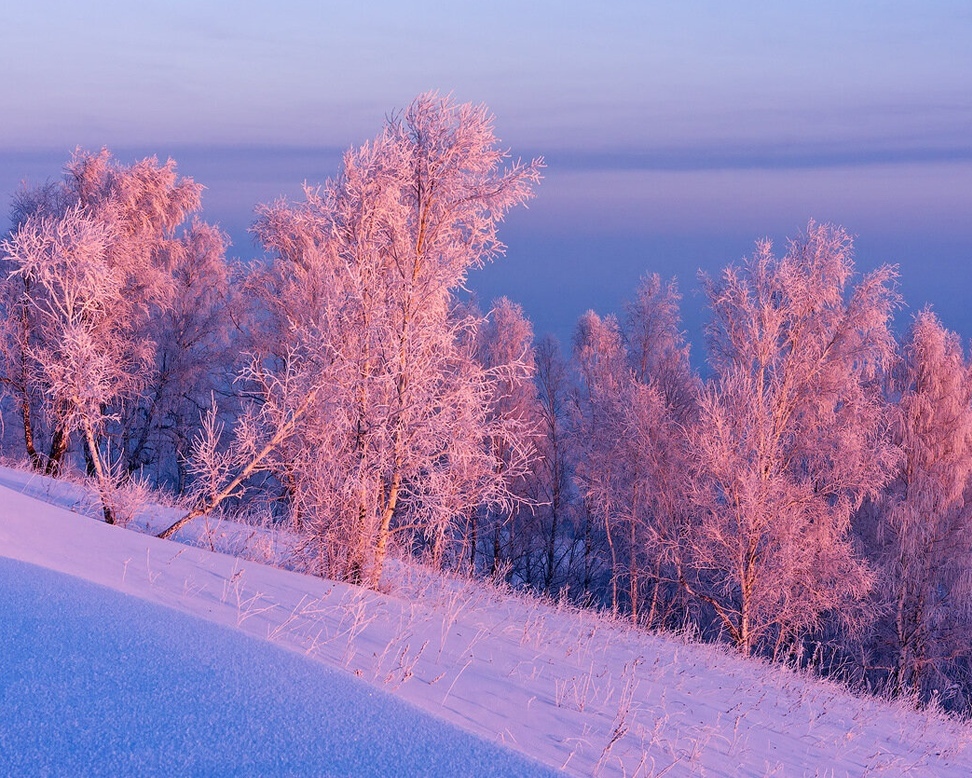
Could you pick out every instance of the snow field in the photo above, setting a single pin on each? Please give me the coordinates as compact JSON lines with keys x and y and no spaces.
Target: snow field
{"x":571,"y":688}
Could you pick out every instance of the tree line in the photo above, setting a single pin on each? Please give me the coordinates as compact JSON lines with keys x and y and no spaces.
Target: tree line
{"x":806,"y":501}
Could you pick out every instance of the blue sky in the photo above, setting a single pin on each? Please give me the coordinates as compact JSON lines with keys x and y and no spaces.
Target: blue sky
{"x":675,"y":134}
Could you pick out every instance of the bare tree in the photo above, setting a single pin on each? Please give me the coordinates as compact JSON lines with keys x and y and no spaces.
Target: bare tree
{"x":789,"y":440}
{"x":551,"y":477}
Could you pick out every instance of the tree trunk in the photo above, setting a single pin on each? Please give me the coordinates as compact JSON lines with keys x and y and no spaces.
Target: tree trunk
{"x":384,"y":530}
{"x":473,"y":540}
{"x":653,"y":608}
{"x":497,"y":550}
{"x":588,"y":554}
{"x":25,"y":411}
{"x":614,"y":567}
{"x":104,"y":483}
{"x":59,"y":445}
{"x":552,"y":540}
{"x":745,"y":625}
{"x":25,"y":414}
{"x":355,"y":562}
{"x":633,"y":575}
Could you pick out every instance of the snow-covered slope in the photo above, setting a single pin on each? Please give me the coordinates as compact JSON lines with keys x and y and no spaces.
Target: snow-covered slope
{"x":567,"y":687}
{"x":94,"y":682}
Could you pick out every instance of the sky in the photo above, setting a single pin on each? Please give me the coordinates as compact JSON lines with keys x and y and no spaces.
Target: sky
{"x":675,"y":134}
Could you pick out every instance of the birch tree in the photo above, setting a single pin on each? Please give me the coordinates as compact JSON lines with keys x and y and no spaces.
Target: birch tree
{"x":80,"y":357}
{"x":551,"y":479}
{"x":85,"y":272}
{"x":381,"y":415}
{"x":504,"y":348}
{"x":922,"y":540}
{"x":660,"y":418}
{"x":789,"y":442}
{"x":638,"y":395}
{"x":194,"y":353}
{"x":600,"y":359}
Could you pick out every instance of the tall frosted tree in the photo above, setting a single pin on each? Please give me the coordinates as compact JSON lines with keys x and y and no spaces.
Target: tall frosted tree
{"x":364,"y":396}
{"x":636,"y":401}
{"x":657,"y":351}
{"x":661,"y":415}
{"x":921,"y":533}
{"x":70,"y":295}
{"x":86,"y":271}
{"x":597,"y":408}
{"x":789,"y":441}
{"x":194,"y":351}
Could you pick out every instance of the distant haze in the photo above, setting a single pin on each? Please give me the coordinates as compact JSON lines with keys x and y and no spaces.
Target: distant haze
{"x":674,"y":136}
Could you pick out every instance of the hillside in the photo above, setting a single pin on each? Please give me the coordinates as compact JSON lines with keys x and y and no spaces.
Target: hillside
{"x":569,"y":688}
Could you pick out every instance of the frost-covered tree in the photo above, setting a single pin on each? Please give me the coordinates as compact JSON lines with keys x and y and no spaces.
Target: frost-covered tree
{"x":79,"y":353}
{"x":662,"y":412}
{"x":504,"y":347}
{"x":921,"y":530}
{"x":194,"y":349}
{"x":550,"y":481}
{"x":657,"y":351}
{"x":789,"y":441}
{"x":86,"y":270}
{"x":636,"y":401}
{"x":365,"y":397}
{"x":596,"y":406}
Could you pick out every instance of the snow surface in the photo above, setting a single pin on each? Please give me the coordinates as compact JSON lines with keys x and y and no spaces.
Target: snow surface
{"x":95,"y":682}
{"x":247,"y":663}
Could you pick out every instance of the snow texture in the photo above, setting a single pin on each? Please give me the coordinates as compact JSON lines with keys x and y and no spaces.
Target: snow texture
{"x":95,"y":682}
